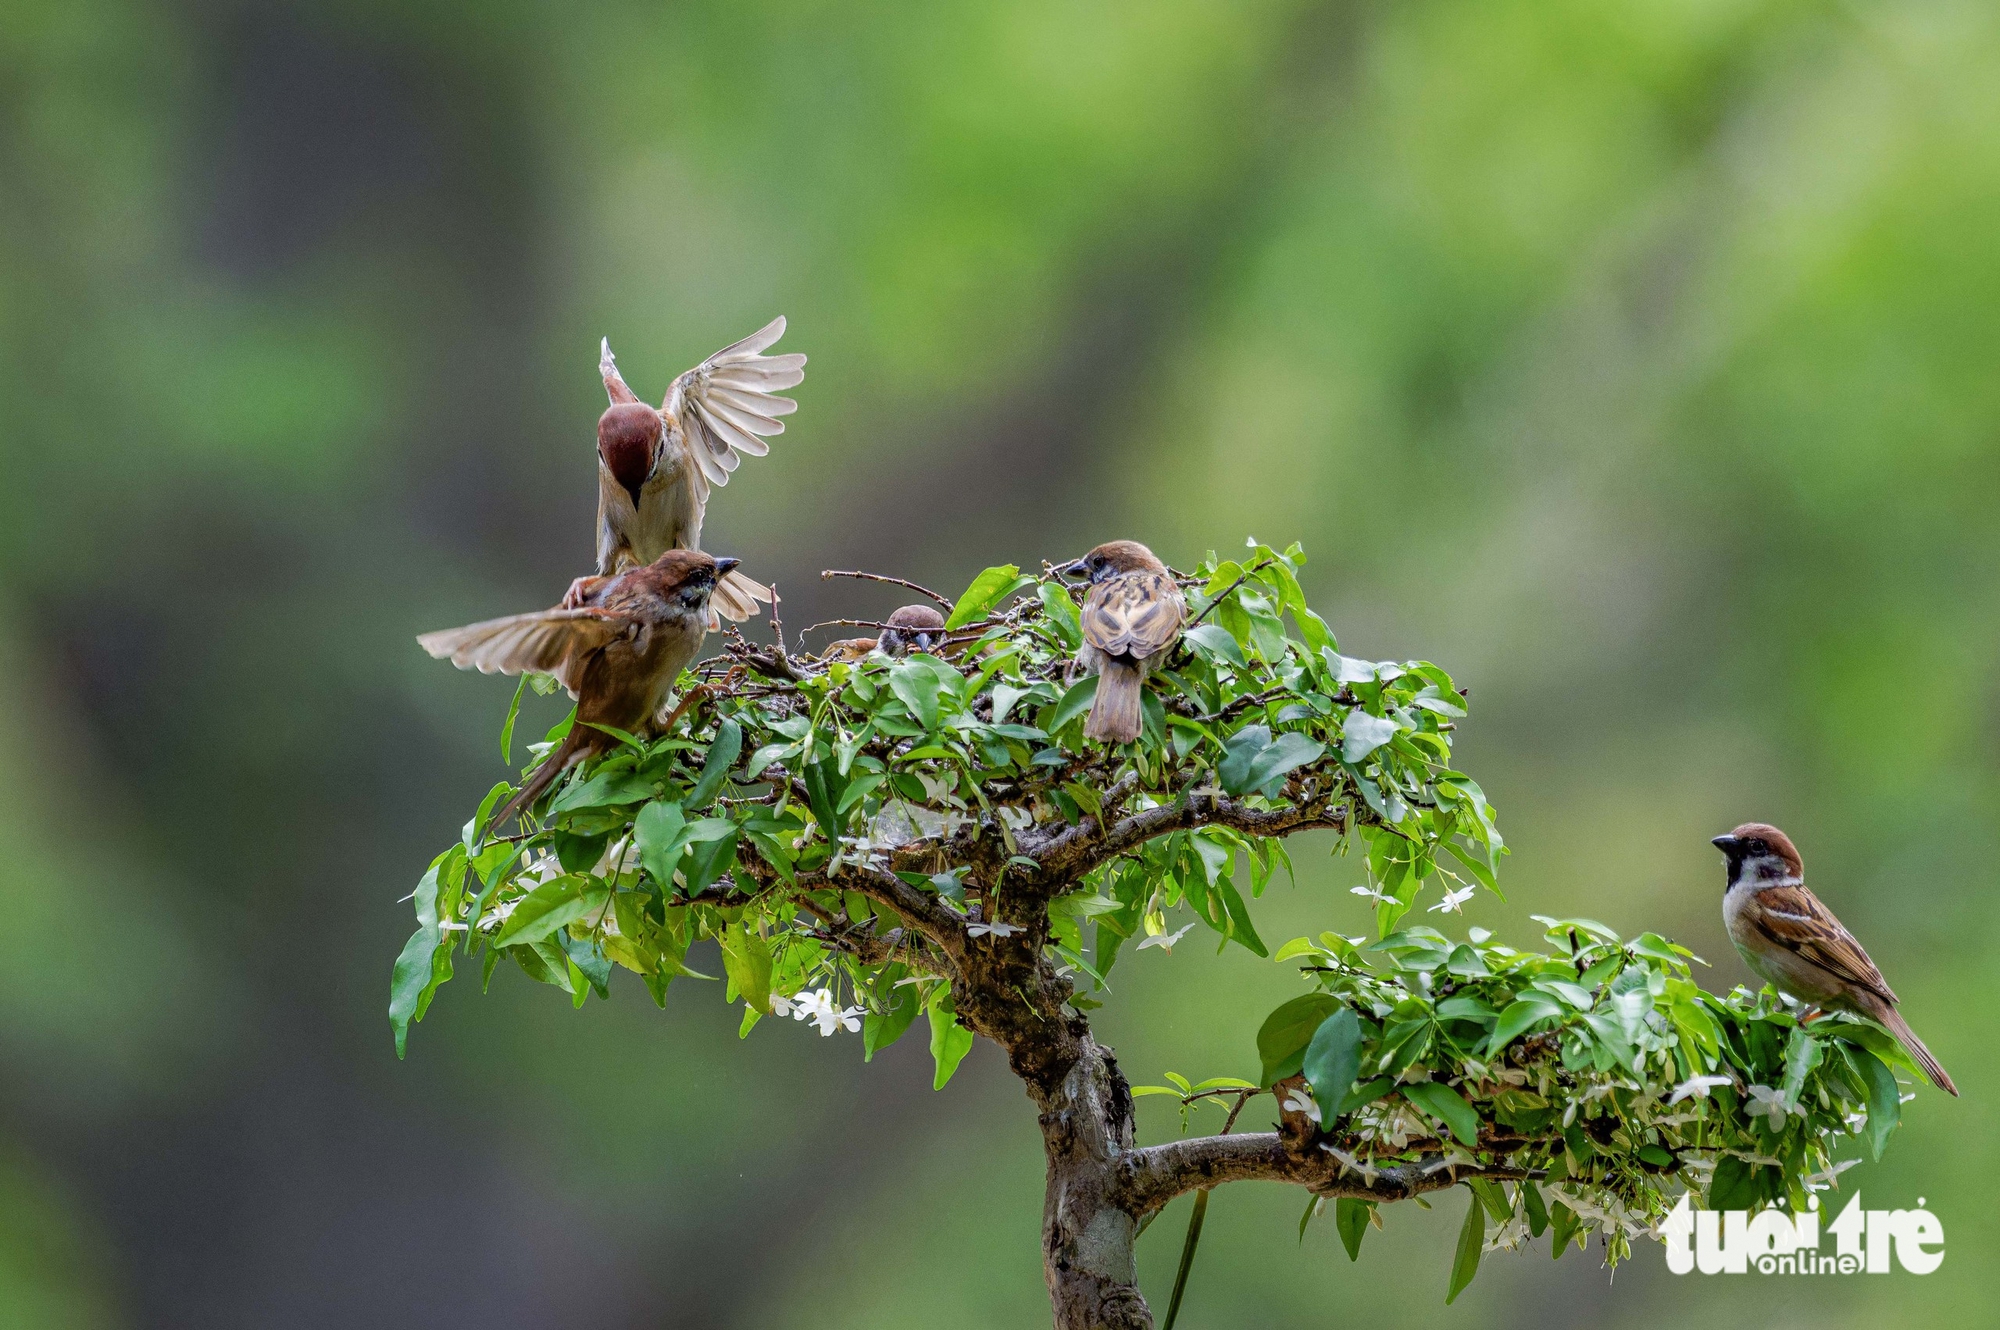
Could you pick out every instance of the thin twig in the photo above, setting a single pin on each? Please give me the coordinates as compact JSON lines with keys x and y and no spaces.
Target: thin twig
{"x":1195,"y":1220}
{"x":1261,"y":563}
{"x":826,"y":573}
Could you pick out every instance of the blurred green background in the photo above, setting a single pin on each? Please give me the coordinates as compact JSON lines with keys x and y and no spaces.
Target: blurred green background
{"x":1676,"y":320}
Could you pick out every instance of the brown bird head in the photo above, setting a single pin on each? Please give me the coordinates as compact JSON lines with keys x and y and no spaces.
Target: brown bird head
{"x":1112,"y":558}
{"x":1762,"y":854}
{"x":914,"y":627}
{"x":628,"y":444}
{"x":689,"y":576}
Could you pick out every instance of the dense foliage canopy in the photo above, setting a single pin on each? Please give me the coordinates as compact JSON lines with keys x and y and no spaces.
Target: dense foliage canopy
{"x":854,"y":835}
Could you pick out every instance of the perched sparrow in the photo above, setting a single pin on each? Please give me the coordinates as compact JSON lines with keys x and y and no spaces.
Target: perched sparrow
{"x":1789,"y":938}
{"x":914,"y":627}
{"x":654,"y":468}
{"x":917,"y":626}
{"x":1130,"y":621}
{"x":618,"y":654}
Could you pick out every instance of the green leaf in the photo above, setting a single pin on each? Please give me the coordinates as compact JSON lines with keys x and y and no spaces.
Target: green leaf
{"x":1446,"y":1104}
{"x":1331,"y":1063}
{"x":1073,"y":704}
{"x":708,"y":861}
{"x":1733,"y":1185}
{"x":1494,"y":1197}
{"x":1350,"y":1217}
{"x":605,"y":789}
{"x":1884,"y":1104}
{"x":661,"y":831}
{"x":513,"y":714}
{"x":1471,"y":1238}
{"x":1563,"y":1224}
{"x":917,"y":685}
{"x":1241,"y":930}
{"x":950,"y":1041}
{"x":1361,"y":734}
{"x":557,"y":903}
{"x":722,"y":755}
{"x":987,"y":590}
{"x":879,"y":1029}
{"x":746,"y":959}
{"x":1286,"y":1032}
{"x":1520,"y":1016}
{"x":1060,"y":608}
{"x":1536,"y":1209}
{"x":414,"y":977}
{"x":1213,"y":642}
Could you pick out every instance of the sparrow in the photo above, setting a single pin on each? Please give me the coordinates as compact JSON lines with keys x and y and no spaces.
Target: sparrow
{"x":618,"y":654}
{"x":918,"y":626}
{"x":654,"y":468}
{"x":1131,"y":619}
{"x":1789,"y":938}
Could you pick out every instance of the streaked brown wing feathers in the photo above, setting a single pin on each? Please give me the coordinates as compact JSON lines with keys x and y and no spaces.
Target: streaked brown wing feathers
{"x":546,"y":642}
{"x":1133,"y":614}
{"x":1793,"y":918}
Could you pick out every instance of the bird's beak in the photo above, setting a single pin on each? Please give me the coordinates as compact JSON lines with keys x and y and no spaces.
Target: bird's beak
{"x":1725,"y":843}
{"x":726,"y":565}
{"x":1075,"y":569}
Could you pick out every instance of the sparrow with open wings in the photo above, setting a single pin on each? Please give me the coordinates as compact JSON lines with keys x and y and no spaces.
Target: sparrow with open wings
{"x":618,"y":653}
{"x":1790,"y":939}
{"x":655,"y":468}
{"x":1131,"y":620}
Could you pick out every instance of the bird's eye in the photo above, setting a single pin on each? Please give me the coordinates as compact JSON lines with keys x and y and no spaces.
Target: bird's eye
{"x":1759,"y":847}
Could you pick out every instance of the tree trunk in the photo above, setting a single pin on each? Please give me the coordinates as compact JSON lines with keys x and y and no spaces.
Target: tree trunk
{"x":1086,"y":1238}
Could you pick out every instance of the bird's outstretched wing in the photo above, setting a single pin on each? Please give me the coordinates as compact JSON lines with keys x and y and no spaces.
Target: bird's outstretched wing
{"x":546,"y":642}
{"x":728,"y":403}
{"x":1793,"y":918}
{"x":1133,"y":615}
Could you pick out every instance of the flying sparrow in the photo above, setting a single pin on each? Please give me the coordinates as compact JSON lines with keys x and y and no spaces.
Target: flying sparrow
{"x":618,"y":654}
{"x":918,"y":626}
{"x":1131,"y":619}
{"x":654,"y":468}
{"x":1786,"y":936}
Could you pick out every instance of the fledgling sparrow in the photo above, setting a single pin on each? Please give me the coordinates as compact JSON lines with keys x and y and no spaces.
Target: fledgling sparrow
{"x":918,"y":626}
{"x":655,"y":468}
{"x":618,"y":654}
{"x":1784,"y":934}
{"x":1131,"y":619}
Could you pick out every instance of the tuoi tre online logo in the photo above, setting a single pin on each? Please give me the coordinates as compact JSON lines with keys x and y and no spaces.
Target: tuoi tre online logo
{"x":1774,"y":1242}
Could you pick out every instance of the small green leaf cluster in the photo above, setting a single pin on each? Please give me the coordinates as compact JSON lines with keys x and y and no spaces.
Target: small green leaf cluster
{"x":954,"y":771}
{"x":1598,"y":1072}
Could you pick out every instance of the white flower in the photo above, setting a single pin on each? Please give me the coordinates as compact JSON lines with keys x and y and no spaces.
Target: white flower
{"x":996,"y":928}
{"x":1452,"y":900}
{"x":1349,"y":1164}
{"x":1698,"y":1085}
{"x":781,"y":1005}
{"x":1300,"y":1100}
{"x":1375,"y":894}
{"x":1164,"y":941}
{"x":817,"y":1006}
{"x":1771,"y":1103}
{"x":451,"y":926}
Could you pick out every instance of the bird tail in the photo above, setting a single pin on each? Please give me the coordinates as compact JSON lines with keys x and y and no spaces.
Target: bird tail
{"x":573,"y":750}
{"x":1899,"y":1027}
{"x":1114,"y":715}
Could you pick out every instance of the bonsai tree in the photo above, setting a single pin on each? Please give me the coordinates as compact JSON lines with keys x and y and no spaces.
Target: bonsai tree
{"x":929,"y":838}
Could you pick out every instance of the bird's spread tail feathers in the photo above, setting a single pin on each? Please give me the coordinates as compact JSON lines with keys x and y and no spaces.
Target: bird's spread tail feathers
{"x":1114,"y":716}
{"x":1899,"y":1027}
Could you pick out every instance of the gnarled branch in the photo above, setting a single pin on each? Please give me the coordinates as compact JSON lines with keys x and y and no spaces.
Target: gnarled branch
{"x":1076,"y":850}
{"x":1151,"y":1177}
